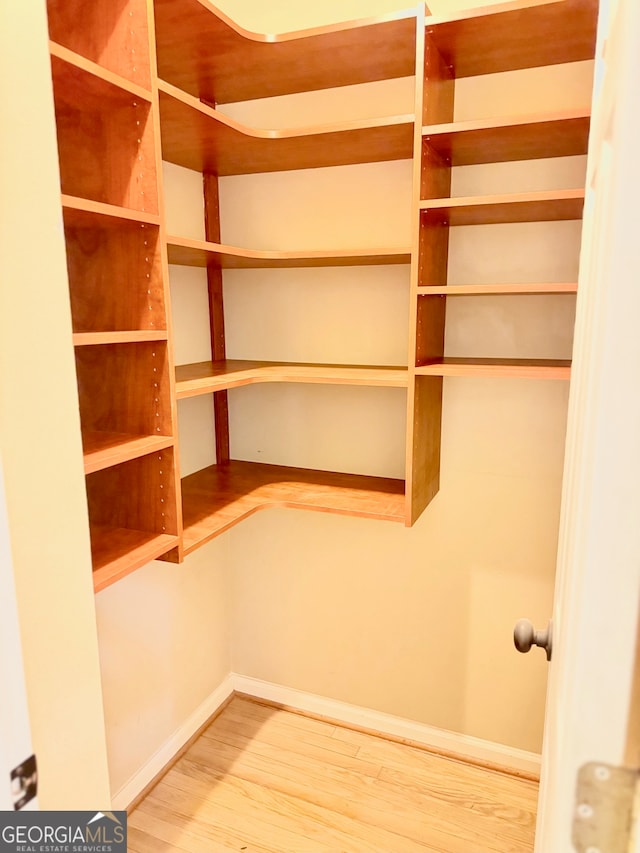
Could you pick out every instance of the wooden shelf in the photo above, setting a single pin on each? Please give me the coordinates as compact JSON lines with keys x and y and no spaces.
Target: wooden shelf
{"x":513,"y":207}
{"x":104,"y":449}
{"x":513,"y":35}
{"x":118,"y":551}
{"x":496,"y":289}
{"x":469,"y":142}
{"x":84,"y":66}
{"x":125,"y":388}
{"x":203,"y":139}
{"x":86,"y":339}
{"x":218,"y":497}
{"x":199,"y":253}
{"x":81,"y":211}
{"x":106,"y":143}
{"x":206,"y":377}
{"x":205,"y":53}
{"x":505,"y":367}
{"x":115,"y":35}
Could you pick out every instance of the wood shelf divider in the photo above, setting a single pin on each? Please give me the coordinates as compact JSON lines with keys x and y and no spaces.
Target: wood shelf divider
{"x":118,"y":551}
{"x":530,"y":368}
{"x":496,"y":289}
{"x":466,"y":143}
{"x":514,"y":35}
{"x":76,"y":206}
{"x":87,"y":66}
{"x":104,"y":449}
{"x":85,"y":339}
{"x":541,"y":206}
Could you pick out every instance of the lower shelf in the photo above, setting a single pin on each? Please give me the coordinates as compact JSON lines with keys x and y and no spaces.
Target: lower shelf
{"x":533,"y":368}
{"x":218,"y":497}
{"x":104,"y":449}
{"x":118,"y":551}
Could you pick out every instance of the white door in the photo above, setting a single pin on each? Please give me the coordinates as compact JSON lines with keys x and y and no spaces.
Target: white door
{"x":598,"y":581}
{"x":15,"y":736}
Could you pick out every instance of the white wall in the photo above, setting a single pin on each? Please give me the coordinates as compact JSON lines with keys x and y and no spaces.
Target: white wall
{"x":40,"y":433}
{"x":412,"y":622}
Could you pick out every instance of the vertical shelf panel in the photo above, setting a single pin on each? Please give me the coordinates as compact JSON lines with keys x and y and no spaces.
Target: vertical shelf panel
{"x":105,"y":140}
{"x":113,"y":33}
{"x":115,"y":274}
{"x":124,"y":388}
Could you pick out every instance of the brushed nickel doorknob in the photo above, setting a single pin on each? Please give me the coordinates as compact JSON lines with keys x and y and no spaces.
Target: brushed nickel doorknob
{"x":525,"y":636}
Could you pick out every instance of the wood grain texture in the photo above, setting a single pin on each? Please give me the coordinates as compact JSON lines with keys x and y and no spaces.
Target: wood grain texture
{"x":200,"y":253}
{"x":112,"y":33}
{"x":249,"y":65}
{"x":104,"y":449}
{"x":106,"y":144}
{"x":117,"y":551}
{"x":265,"y":779}
{"x":136,"y":495}
{"x":466,"y":143}
{"x":206,"y":376}
{"x":79,"y":210}
{"x":546,"y":205}
{"x":497,"y":289}
{"x":115,"y":279}
{"x":93,"y":68}
{"x":532,"y":368}
{"x":203,"y":139}
{"x":124,"y":388}
{"x":215,"y":293}
{"x":218,"y":497}
{"x":512,"y":35}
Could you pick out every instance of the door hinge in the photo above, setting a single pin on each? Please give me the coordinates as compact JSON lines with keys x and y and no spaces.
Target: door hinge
{"x":605,"y":808}
{"x":24,"y":782}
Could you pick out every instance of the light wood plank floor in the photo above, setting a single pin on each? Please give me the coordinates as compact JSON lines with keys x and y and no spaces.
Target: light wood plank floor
{"x":263,"y":780}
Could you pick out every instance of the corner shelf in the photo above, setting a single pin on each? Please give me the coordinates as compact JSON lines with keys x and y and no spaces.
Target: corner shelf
{"x":200,"y":253}
{"x":220,"y":496}
{"x":201,"y":138}
{"x":207,"y":377}
{"x":84,"y":66}
{"x":251,"y":65}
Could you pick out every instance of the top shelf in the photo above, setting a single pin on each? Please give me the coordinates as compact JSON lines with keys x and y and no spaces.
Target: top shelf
{"x":514,"y":35}
{"x":246,"y":65}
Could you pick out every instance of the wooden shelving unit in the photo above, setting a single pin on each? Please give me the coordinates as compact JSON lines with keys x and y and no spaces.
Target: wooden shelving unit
{"x":220,"y":496}
{"x":542,"y":206}
{"x":207,"y":377}
{"x":201,"y":138}
{"x":109,"y":152}
{"x":137,"y":77}
{"x":509,"y":37}
{"x":249,"y":65}
{"x":531,"y":368}
{"x":199,"y":253}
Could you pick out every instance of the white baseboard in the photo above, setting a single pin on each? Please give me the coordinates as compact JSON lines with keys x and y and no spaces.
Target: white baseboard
{"x":172,"y":746}
{"x":440,"y":740}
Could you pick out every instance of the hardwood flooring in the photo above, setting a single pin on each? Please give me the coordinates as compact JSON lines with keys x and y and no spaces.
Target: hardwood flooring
{"x":264,"y":780}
